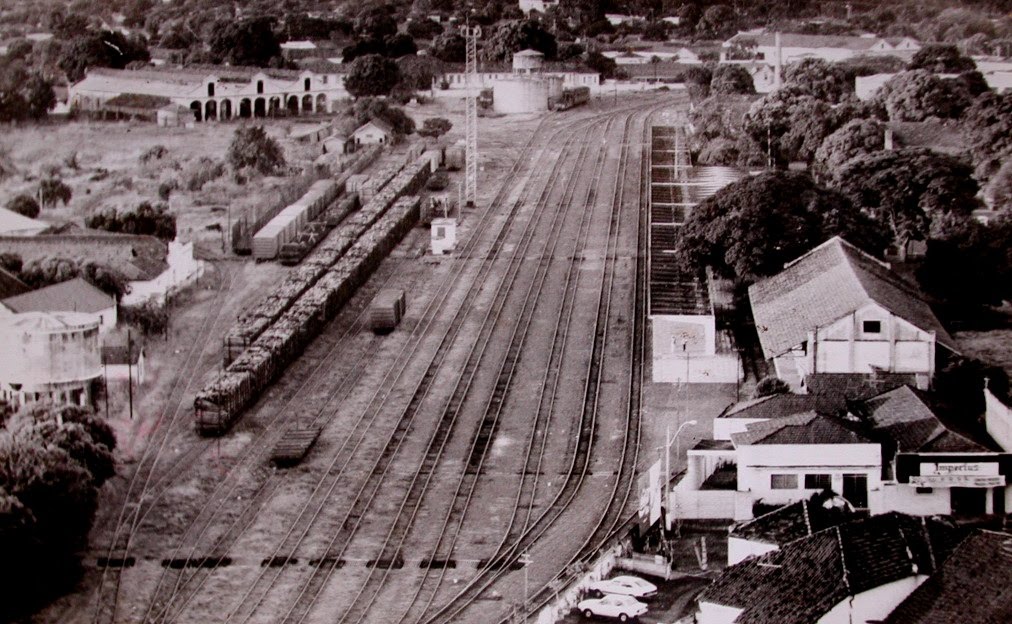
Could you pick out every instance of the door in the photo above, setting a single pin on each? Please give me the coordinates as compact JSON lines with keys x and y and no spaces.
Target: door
{"x":855,"y":490}
{"x":968,"y":501}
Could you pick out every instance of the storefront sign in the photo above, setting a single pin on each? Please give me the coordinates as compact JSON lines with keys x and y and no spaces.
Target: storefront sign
{"x":958,"y":468}
{"x":959,"y":480}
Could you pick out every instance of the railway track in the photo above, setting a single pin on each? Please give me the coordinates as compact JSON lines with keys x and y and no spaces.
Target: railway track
{"x":484,"y":432}
{"x":144,"y":480}
{"x":365,"y":495}
{"x":516,"y":540}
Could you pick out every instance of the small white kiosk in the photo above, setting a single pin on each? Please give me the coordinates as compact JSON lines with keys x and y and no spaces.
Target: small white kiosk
{"x":444,"y":235}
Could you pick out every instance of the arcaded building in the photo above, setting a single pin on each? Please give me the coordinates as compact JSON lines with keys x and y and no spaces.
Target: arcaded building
{"x":211,"y":94}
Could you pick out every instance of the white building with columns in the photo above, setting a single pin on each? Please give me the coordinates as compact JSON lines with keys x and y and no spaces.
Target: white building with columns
{"x":217,"y":92}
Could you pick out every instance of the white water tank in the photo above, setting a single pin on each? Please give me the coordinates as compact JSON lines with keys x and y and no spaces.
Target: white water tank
{"x":524,"y":94}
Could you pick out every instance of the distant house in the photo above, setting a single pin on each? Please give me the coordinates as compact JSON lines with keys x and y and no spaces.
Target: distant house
{"x":796,"y":47}
{"x":16,"y":224}
{"x":617,"y":19}
{"x":856,"y":572}
{"x":338,"y":144}
{"x":374,"y":131}
{"x":541,"y":6}
{"x":121,"y":362}
{"x":837,"y":309}
{"x":173,"y":115}
{"x":973,"y":586}
{"x":76,"y":295}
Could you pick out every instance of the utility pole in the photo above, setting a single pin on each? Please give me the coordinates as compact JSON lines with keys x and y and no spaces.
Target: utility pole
{"x":525,"y":559}
{"x":130,"y":374}
{"x":471,"y":35}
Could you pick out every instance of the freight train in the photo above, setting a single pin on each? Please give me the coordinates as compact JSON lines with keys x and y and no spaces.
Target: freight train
{"x":269,"y":338}
{"x":576,"y":96}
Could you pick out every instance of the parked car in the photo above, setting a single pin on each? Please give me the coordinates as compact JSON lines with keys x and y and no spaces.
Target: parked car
{"x":626,"y":586}
{"x":612,"y":606}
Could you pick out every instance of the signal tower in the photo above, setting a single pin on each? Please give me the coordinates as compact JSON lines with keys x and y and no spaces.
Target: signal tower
{"x":471,"y":35}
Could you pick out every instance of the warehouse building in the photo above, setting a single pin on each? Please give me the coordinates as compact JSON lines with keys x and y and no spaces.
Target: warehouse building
{"x":75,"y":295}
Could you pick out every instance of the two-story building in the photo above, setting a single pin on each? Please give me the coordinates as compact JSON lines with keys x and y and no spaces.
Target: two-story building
{"x":837,"y":309}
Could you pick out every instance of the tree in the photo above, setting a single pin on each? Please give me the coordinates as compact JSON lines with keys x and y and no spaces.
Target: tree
{"x":375,"y":23}
{"x":508,"y":38}
{"x":10,"y":262}
{"x":698,"y":79}
{"x":855,"y":138}
{"x":941,"y":59}
{"x":435,"y":127}
{"x":731,"y":79}
{"x":424,"y":29}
{"x":24,"y":205}
{"x":252,"y":148}
{"x":102,"y":49}
{"x":987,"y":127}
{"x":656,"y":31}
{"x":999,"y":188}
{"x":399,"y":45}
{"x":372,"y":75}
{"x":817,"y":78}
{"x":907,"y":189}
{"x":967,"y":262}
{"x":791,"y":127}
{"x":750,"y":228}
{"x":917,"y":95}
{"x":43,"y":272}
{"x":247,"y":42}
{"x":24,"y":94}
{"x":769,"y":386}
{"x":717,"y":22}
{"x":52,"y":190}
{"x":418,"y":72}
{"x":146,"y":219}
{"x":595,"y":61}
{"x":449,"y":47}
{"x":360,"y":48}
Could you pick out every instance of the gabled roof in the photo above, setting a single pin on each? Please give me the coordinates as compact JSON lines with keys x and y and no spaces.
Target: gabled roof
{"x":794,"y":40}
{"x":805,"y":579}
{"x":16,"y":224}
{"x":824,"y":285}
{"x":529,"y":52}
{"x":74,"y":295}
{"x":973,"y":586}
{"x":789,"y":523}
{"x":911,"y":419}
{"x":806,"y":428}
{"x":855,"y":386}
{"x":786,"y":404}
{"x":377,"y":123}
{"x":10,"y":285}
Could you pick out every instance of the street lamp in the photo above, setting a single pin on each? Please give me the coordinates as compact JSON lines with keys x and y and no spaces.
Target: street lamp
{"x":668,"y":439}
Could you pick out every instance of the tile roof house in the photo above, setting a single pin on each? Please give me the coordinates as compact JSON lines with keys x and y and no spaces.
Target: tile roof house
{"x":737,"y":416}
{"x":373,"y":131}
{"x":76,"y":295}
{"x":784,"y":525}
{"x":936,"y":460}
{"x":973,"y":586}
{"x":837,"y":309}
{"x":853,"y":572}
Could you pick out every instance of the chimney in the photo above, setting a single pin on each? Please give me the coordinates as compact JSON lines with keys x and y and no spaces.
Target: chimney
{"x":779,"y":61}
{"x":888,"y":139}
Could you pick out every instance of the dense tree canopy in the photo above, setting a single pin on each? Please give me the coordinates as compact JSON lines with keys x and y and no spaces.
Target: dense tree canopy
{"x":52,"y":462}
{"x":908,"y":189}
{"x":791,"y":127}
{"x":987,"y":126}
{"x":508,"y":38}
{"x":43,"y":272}
{"x":821,"y":80}
{"x":449,"y":47}
{"x":101,"y":49}
{"x":435,"y":127}
{"x":941,"y":59}
{"x":731,"y":78}
{"x":918,"y":95}
{"x":146,"y":219}
{"x":247,"y":42}
{"x":372,"y":75}
{"x":969,"y":262}
{"x":252,"y":148}
{"x":749,"y":229}
{"x":855,"y":138}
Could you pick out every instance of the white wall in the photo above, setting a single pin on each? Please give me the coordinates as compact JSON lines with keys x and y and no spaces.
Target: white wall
{"x":873,"y":605}
{"x":844,"y":346}
{"x":998,"y":419}
{"x":183,"y":270}
{"x":904,"y":498}
{"x":710,"y":613}
{"x":724,"y":427}
{"x":756,"y":463}
{"x":709,"y":505}
{"x":739,"y":549}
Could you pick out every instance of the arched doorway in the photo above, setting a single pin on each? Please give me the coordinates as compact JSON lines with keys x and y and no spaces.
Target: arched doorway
{"x":210,"y":110}
{"x":226,"y":109}
{"x":293,"y":104}
{"x":195,"y":107}
{"x":273,"y":106}
{"x":307,"y":103}
{"x":259,"y":108}
{"x":321,"y":103}
{"x":245,"y":110}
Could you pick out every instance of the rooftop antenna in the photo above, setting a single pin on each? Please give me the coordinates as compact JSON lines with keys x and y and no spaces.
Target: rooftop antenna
{"x":471,"y":34}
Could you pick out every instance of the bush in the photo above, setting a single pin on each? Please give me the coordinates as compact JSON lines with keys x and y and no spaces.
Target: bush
{"x":438,"y":182}
{"x":768,"y":386}
{"x":24,"y":205}
{"x":149,"y":318}
{"x":202,"y":172}
{"x":52,"y":190}
{"x":165,"y":190}
{"x":155,"y":153}
{"x":146,"y":219}
{"x":252,"y":148}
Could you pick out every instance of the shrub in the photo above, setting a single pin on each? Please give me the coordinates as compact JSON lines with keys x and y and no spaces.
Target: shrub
{"x":155,"y":153}
{"x":24,"y":205}
{"x":52,"y":190}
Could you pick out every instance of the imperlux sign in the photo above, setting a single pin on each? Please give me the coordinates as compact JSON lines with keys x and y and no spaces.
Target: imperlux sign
{"x":959,"y":474}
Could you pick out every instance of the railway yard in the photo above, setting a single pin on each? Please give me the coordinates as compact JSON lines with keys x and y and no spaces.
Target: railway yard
{"x":499,"y":423}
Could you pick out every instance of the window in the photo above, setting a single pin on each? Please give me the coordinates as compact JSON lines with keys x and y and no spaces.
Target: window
{"x":306,"y":84}
{"x":260,"y":86}
{"x":818,"y":482}
{"x":210,"y":89}
{"x":784,"y":482}
{"x":872,"y":327}
{"x":440,"y":232}
{"x":925,"y":490}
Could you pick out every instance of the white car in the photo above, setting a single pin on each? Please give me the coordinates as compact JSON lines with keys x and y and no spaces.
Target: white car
{"x":612,"y":606}
{"x":626,"y":586}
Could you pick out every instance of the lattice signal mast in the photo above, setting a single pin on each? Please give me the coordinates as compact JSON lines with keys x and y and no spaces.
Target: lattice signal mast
{"x":471,"y":35}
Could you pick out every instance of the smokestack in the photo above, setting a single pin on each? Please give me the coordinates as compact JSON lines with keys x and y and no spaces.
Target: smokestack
{"x":779,"y":61}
